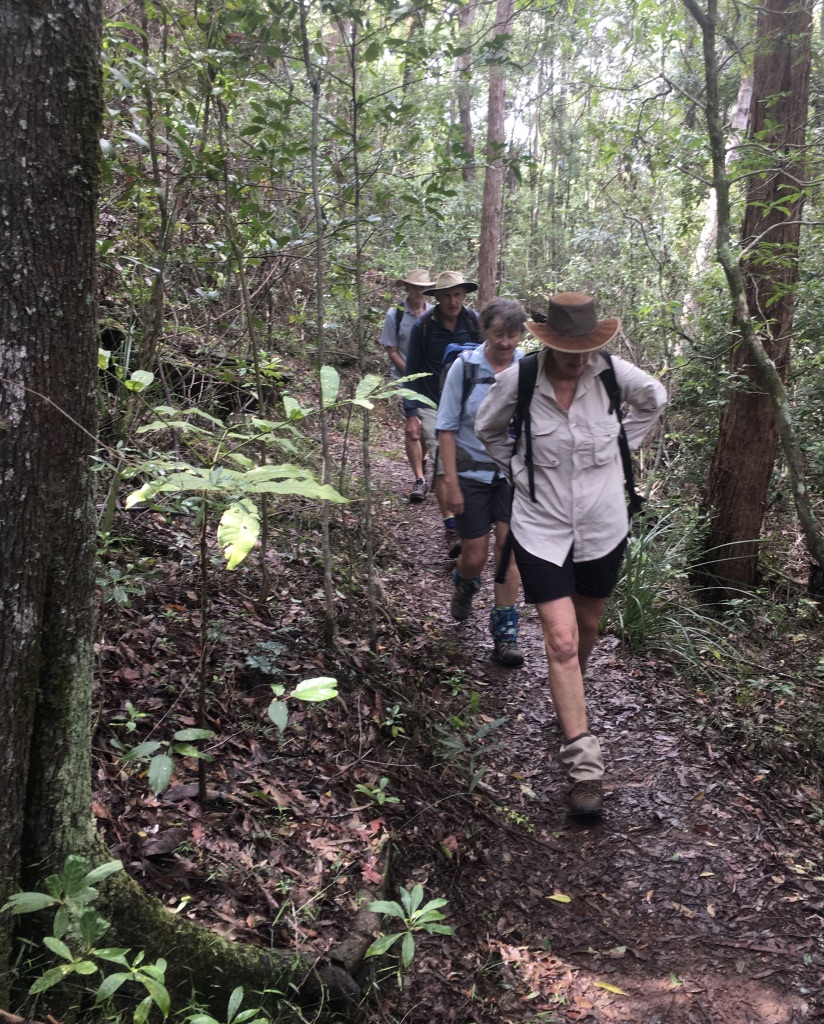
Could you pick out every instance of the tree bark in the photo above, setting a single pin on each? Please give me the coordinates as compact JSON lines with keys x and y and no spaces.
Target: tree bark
{"x":50,"y":124}
{"x":493,"y":180}
{"x":466,"y":18}
{"x":745,"y":453}
{"x":764,"y":365}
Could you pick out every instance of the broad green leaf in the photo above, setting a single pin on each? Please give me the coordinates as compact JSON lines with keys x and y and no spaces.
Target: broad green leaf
{"x":110,"y":985}
{"x":74,"y":871}
{"x":159,"y":994}
{"x":315,"y":690}
{"x":50,"y":978}
{"x":364,"y":403}
{"x":329,"y":385}
{"x":28,"y":902}
{"x":144,"y":749}
{"x":189,"y":750}
{"x":85,"y":967}
{"x":278,"y":713}
{"x":292,"y":408}
{"x":370,"y":383}
{"x":103,"y":357}
{"x":140,"y":380}
{"x":381,"y":945}
{"x":407,"y":949}
{"x":137,"y":138}
{"x":160,"y":772}
{"x":102,"y":871}
{"x":386,"y":907}
{"x":58,"y":947}
{"x":113,"y":955}
{"x":235,"y":999}
{"x":237,"y":532}
{"x":304,"y":488}
{"x":141,"y":1013}
{"x":187,"y":735}
{"x":559,"y":898}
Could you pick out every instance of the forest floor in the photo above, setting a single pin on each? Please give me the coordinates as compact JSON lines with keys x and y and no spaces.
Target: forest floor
{"x":699,"y":897}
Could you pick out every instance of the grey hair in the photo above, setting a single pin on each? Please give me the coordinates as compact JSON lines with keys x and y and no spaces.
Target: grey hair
{"x":509,"y":311}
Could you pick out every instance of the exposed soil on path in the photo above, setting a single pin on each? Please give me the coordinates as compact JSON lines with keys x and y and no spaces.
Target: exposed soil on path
{"x":699,"y":897}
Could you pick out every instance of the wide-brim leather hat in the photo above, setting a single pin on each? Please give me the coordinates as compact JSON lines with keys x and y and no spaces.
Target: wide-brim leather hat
{"x":419,"y":277}
{"x":450,"y":279}
{"x":572,"y":326}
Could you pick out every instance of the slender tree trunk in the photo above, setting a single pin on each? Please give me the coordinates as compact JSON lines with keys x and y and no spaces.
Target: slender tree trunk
{"x":314,"y":79}
{"x":466,"y":18}
{"x":493,"y":179}
{"x":766,"y":368}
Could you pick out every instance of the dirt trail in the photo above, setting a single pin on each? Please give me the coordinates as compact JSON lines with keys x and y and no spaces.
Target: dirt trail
{"x":699,"y":897}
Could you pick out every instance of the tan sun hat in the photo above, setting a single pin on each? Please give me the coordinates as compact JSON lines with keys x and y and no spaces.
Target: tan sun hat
{"x":572,"y":325}
{"x":450,"y":279}
{"x":419,"y":277}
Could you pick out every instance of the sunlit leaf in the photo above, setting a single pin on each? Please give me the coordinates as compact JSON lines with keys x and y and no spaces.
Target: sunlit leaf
{"x":315,"y":690}
{"x":238,"y":531}
{"x":278,"y":713}
{"x":329,"y":385}
{"x":605,"y":985}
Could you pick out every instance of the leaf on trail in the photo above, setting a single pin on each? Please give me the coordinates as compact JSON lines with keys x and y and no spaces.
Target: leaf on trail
{"x":682,"y":909}
{"x":711,"y":874}
{"x":711,"y":910}
{"x":605,"y":985}
{"x":559,"y":898}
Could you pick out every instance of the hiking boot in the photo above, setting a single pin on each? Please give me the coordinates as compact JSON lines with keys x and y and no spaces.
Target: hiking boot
{"x":509,"y":653}
{"x":461,"y":604}
{"x":586,"y":799}
{"x":419,"y":491}
{"x":503,"y":625}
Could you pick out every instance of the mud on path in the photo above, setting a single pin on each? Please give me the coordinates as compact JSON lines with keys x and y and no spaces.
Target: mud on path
{"x":699,"y":896}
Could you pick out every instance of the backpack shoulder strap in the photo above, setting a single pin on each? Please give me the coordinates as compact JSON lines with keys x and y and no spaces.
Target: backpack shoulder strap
{"x":473,"y":322}
{"x":425,"y":321}
{"x":472,"y":375}
{"x":527,"y":379}
{"x":399,"y":311}
{"x":613,"y":390}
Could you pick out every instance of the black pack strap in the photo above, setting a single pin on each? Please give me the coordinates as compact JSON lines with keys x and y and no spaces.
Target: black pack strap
{"x":471,"y":378}
{"x":610,"y":382}
{"x":399,"y":311}
{"x":527,"y":379}
{"x":464,"y":463}
{"x":522,"y":420}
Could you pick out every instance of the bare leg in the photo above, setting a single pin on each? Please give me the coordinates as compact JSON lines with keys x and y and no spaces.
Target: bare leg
{"x":414,"y":453}
{"x":588,"y":612}
{"x":472,"y":558}
{"x":566,"y":684}
{"x":440,"y":494}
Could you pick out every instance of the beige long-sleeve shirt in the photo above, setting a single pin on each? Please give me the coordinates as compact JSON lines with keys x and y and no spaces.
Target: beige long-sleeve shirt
{"x":579,"y":480}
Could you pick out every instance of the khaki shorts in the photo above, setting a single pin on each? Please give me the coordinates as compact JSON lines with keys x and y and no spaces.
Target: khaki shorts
{"x":427,"y":417}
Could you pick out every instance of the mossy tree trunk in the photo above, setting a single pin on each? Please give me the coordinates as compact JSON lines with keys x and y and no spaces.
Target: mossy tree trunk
{"x":50,"y":118}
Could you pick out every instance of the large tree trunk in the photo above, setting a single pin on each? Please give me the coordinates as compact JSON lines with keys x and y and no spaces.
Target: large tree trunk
{"x":493,"y":180}
{"x":50,"y":124}
{"x":748,"y":435}
{"x":50,"y":119}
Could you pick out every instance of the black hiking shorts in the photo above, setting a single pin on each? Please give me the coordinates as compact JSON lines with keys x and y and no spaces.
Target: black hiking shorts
{"x":544,"y":581}
{"x":484,"y":504}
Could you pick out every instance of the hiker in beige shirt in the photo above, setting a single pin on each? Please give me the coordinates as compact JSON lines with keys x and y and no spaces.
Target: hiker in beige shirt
{"x":569,"y":540}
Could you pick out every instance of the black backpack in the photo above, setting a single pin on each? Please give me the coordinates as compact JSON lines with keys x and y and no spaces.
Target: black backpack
{"x":453,"y":350}
{"x":527,"y":379}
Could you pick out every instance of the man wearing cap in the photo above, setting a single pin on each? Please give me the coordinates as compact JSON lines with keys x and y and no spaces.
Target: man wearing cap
{"x":395,"y":339}
{"x":569,"y":520}
{"x":449,"y":322}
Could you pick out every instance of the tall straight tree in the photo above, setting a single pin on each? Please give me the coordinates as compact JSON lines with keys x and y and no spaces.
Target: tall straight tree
{"x":748,"y":436}
{"x":50,"y":119}
{"x":493,"y":179}
{"x":466,"y":18}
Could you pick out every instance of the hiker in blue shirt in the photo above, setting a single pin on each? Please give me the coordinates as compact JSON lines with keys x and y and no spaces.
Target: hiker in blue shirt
{"x":449,"y":322}
{"x":476,"y":489}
